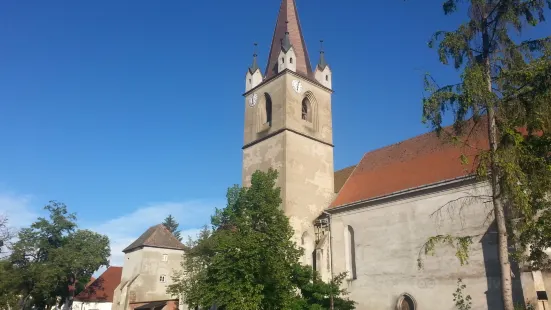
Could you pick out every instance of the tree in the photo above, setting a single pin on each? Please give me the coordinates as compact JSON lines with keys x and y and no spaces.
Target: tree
{"x":504,"y":89}
{"x":248,"y":260}
{"x":316,"y":294}
{"x":6,"y":235}
{"x":53,"y":259}
{"x":171,"y":224}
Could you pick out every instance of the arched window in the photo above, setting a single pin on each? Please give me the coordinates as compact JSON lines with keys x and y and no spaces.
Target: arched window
{"x":350,"y":254}
{"x":406,"y":302}
{"x":268,"y":107}
{"x":306,"y":110}
{"x":291,"y":60}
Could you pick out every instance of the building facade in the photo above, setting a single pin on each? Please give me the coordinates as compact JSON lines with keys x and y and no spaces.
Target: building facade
{"x":149,"y":263}
{"x":371,"y":220}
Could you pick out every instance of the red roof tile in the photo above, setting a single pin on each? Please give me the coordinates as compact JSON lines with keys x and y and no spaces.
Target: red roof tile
{"x":103,"y":288}
{"x":288,"y":13}
{"x":422,"y":160}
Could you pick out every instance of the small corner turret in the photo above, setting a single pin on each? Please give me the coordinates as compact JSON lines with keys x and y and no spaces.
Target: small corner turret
{"x":254,"y":75}
{"x":287,"y":57}
{"x":323,"y":72}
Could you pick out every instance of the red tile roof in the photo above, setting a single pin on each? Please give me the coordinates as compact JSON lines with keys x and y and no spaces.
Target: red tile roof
{"x":288,"y":13}
{"x":103,"y":288}
{"x":422,"y":160}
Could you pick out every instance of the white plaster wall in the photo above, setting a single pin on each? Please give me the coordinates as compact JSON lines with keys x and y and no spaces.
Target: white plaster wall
{"x":147,"y":287}
{"x":79,"y":305}
{"x":388,"y":237}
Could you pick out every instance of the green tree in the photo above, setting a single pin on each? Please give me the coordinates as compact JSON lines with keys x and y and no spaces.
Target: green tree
{"x":8,"y":294}
{"x":6,"y":235}
{"x":171,"y":224}
{"x":316,"y":294}
{"x":247,"y":260}
{"x":504,"y":90}
{"x":53,"y":259}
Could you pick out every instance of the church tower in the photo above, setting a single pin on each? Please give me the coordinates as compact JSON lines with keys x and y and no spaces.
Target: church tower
{"x":288,"y":126}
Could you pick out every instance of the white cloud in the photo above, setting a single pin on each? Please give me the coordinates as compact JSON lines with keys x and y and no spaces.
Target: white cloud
{"x":22,"y":211}
{"x":125,"y":229}
{"x":18,"y":209}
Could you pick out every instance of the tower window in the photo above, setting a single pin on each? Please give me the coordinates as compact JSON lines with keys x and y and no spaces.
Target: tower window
{"x":350,"y":254}
{"x":291,"y":60}
{"x":268,"y":108}
{"x":162,"y":278}
{"x":165,"y":257}
{"x":306,"y":110}
{"x":282,"y":60}
{"x":327,"y":77}
{"x":250,"y":81}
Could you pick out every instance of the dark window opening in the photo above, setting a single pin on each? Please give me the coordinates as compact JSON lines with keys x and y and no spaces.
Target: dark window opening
{"x":406,"y":303}
{"x":327,"y":77}
{"x":352,"y":252}
{"x":282,"y":60}
{"x":291,"y":60}
{"x":268,"y":109}
{"x":306,"y":110}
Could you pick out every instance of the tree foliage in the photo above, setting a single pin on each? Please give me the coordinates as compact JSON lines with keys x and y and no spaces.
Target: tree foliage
{"x":171,"y":224}
{"x":6,"y":236}
{"x":247,"y":260}
{"x":53,"y":259}
{"x":505,"y":91}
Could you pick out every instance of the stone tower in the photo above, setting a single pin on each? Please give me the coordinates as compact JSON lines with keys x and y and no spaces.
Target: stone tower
{"x":288,"y":126}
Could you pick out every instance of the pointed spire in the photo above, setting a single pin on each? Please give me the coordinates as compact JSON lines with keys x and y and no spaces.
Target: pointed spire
{"x":285,"y":43}
{"x":288,"y":28}
{"x":322,"y":63}
{"x":254,"y":66}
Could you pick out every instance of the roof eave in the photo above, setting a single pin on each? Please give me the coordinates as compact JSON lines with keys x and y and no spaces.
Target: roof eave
{"x":397,"y":194}
{"x":307,"y":78}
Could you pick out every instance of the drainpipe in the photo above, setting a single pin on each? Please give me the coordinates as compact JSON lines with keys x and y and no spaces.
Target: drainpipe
{"x":330,"y":256}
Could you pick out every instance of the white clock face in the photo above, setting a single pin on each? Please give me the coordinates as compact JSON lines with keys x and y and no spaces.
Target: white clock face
{"x":297,"y":86}
{"x":253,"y":100}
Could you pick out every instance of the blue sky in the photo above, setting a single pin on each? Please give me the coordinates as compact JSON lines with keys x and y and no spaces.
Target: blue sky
{"x":129,"y":110}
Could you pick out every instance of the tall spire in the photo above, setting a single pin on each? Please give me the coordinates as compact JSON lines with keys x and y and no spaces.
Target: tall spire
{"x":254,"y":66}
{"x":322,"y":63}
{"x":288,"y":27}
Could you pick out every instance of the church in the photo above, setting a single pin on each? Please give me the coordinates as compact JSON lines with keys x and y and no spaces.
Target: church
{"x":369,"y":220}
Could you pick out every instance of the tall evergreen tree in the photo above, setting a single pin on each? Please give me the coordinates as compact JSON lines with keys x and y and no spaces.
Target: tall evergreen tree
{"x":505,"y":89}
{"x":171,"y":224}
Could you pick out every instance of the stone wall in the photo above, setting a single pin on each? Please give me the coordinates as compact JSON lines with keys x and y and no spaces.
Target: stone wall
{"x":389,"y":234}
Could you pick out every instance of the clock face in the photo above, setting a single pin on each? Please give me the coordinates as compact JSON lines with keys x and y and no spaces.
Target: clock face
{"x":297,"y":86}
{"x":253,"y":100}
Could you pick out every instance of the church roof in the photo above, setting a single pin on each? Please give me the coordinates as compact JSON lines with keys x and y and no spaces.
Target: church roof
{"x":103,"y":288}
{"x":287,"y":20}
{"x":157,"y":236}
{"x":422,"y":160}
{"x":341,"y":176}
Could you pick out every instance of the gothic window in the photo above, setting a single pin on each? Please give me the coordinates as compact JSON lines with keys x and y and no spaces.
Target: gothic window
{"x":350,"y":254}
{"x":306,"y":110}
{"x":291,"y":60}
{"x":268,"y":108}
{"x":282,"y":59}
{"x":327,"y":77}
{"x":406,"y":302}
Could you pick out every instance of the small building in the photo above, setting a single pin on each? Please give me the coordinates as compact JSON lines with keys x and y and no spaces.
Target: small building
{"x":98,"y":294}
{"x":147,"y":271}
